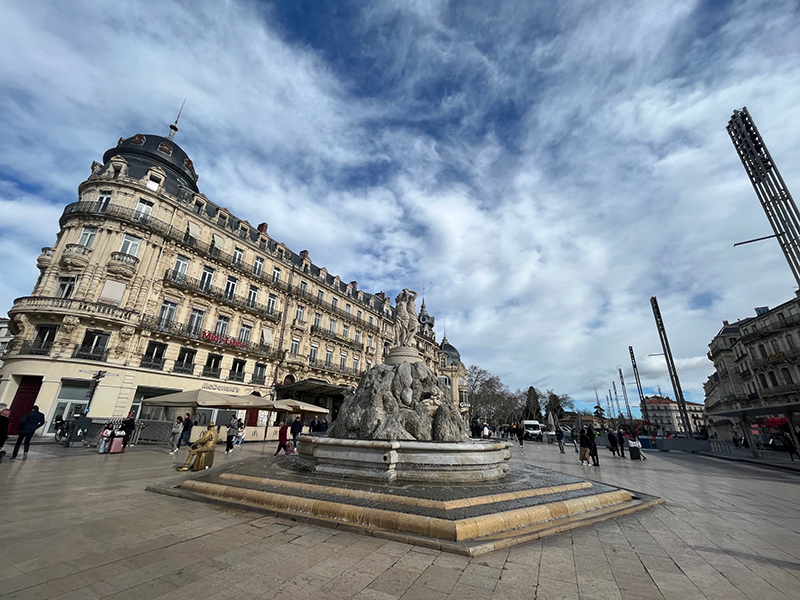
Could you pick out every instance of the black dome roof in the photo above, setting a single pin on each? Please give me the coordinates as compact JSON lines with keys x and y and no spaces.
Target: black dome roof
{"x":450,"y":350}
{"x":161,"y":150}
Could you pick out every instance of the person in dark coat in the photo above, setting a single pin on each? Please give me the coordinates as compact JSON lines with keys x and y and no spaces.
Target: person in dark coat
{"x":585,"y":445}
{"x":621,"y":442}
{"x":296,"y":429}
{"x":593,"y":446}
{"x":323,"y":427}
{"x":789,"y":445}
{"x":315,"y":424}
{"x":187,"y":430}
{"x":27,"y":427}
{"x":612,"y":442}
{"x":560,"y":438}
{"x":128,"y":427}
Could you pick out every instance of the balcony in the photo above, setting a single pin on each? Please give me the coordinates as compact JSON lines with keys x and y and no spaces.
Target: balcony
{"x":71,"y":306}
{"x":212,"y":372}
{"x":183,"y":368}
{"x":90,"y":353}
{"x":152,"y":362}
{"x":45,"y":258}
{"x":332,"y":367}
{"x":779,"y":390}
{"x":193,"y":284}
{"x":327,"y":334}
{"x":75,"y":257}
{"x":236,"y":376}
{"x":35,"y":348}
{"x":258,"y":379}
{"x":361,"y":323}
{"x":764,"y":330}
{"x":122,"y":265}
{"x":183,"y":331}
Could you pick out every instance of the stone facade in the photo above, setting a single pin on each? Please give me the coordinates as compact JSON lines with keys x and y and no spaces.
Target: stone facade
{"x":664,"y":413}
{"x":756,"y":367}
{"x":167,"y":291}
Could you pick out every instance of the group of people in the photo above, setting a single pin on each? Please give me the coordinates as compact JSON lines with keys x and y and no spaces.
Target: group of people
{"x":109,"y":433}
{"x":235,"y":437}
{"x":585,"y":442}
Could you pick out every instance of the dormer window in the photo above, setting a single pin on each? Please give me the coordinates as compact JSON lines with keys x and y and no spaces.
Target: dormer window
{"x":222,"y":220}
{"x":198,"y":208}
{"x":153,"y":183}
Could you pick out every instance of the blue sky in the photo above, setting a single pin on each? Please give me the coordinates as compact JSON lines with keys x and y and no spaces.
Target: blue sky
{"x":541,"y":168}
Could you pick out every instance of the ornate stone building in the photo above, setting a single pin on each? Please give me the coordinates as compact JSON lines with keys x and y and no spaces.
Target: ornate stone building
{"x":154,"y":283}
{"x":756,"y":378}
{"x":663,"y":412}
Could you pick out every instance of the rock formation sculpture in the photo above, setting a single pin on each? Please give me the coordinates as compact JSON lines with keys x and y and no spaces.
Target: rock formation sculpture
{"x":399,"y":402}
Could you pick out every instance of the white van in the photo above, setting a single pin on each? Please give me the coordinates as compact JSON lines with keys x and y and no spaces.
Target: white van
{"x":533,"y":430}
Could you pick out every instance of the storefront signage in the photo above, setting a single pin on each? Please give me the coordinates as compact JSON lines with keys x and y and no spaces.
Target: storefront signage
{"x":210,"y":336}
{"x":218,"y":387}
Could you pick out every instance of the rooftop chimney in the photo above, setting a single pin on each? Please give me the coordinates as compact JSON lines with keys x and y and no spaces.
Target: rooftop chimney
{"x":304,"y":254}
{"x":724,"y":322}
{"x":262,"y":227}
{"x":354,"y":285}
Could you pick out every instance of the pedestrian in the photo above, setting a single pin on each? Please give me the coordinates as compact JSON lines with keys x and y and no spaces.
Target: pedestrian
{"x":612,"y":442}
{"x":205,"y":443}
{"x":485,"y":431}
{"x":585,"y":447}
{"x":296,"y":429}
{"x":240,"y":431}
{"x":574,"y":436}
{"x":233,"y":428}
{"x":186,"y":433}
{"x":323,"y":427}
{"x":560,"y":438}
{"x":175,"y":434}
{"x":283,"y":436}
{"x":27,"y":427}
{"x":593,"y":446}
{"x":315,"y":424}
{"x":105,"y":438}
{"x":790,"y":447}
{"x":4,"y":422}
{"x":518,"y":432}
{"x":621,"y":442}
{"x":128,"y":427}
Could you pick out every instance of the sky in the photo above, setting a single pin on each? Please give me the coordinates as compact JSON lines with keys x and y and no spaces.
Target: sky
{"x":541,"y":169}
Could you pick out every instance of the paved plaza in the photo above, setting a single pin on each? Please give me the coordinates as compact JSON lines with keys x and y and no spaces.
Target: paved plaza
{"x":74,"y":524}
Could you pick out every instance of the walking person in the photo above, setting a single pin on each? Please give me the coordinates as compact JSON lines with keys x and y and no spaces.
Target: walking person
{"x":585,"y":447}
{"x":283,"y":436}
{"x":128,"y":427}
{"x":4,"y":422}
{"x":790,"y":447}
{"x":560,"y":438}
{"x":323,"y":427}
{"x":593,"y":446}
{"x":612,"y":442}
{"x":574,"y":435}
{"x":233,"y":428}
{"x":621,"y":442}
{"x":519,"y":432}
{"x":240,"y":431}
{"x":186,"y":434}
{"x":175,"y":435}
{"x":27,"y":427}
{"x":296,"y":429}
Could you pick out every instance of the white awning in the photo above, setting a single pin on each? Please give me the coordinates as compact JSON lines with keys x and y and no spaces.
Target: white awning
{"x":194,"y":230}
{"x":219,"y":241}
{"x":112,"y":292}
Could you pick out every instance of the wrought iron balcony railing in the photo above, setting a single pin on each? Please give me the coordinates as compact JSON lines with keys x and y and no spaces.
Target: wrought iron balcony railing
{"x":236,"y":376}
{"x":90,"y":353}
{"x":258,"y":379}
{"x":183,"y":368}
{"x":35,"y":348}
{"x":195,"y":285}
{"x":326,"y":333}
{"x":152,"y":362}
{"x":212,"y":372}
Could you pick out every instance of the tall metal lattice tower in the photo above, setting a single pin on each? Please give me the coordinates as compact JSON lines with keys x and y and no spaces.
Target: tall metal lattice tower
{"x":642,"y":403}
{"x":625,"y":395}
{"x":775,"y":198}
{"x":673,"y":372}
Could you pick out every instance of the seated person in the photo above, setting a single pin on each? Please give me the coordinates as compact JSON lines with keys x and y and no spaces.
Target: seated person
{"x":206,"y":443}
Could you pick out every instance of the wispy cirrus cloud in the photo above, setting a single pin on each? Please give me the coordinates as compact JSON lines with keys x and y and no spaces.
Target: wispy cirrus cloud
{"x":542,"y":169}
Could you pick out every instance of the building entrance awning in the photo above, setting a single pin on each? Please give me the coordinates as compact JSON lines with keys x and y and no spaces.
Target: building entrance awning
{"x":758,"y":411}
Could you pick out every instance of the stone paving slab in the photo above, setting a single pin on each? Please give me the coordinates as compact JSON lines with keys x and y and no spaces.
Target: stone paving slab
{"x":77,"y":524}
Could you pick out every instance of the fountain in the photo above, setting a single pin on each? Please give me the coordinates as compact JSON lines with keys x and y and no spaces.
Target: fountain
{"x":398,"y":464}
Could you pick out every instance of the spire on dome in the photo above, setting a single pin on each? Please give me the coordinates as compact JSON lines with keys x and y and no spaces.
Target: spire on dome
{"x":173,"y":129}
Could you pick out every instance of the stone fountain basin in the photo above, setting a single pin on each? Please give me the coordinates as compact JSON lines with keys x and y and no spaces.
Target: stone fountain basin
{"x":406,"y":461}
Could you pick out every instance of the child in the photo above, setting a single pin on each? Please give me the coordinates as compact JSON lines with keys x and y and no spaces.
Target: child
{"x":105,"y":437}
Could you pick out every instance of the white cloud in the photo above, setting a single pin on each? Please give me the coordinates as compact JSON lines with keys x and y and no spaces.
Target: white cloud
{"x":539,"y":241}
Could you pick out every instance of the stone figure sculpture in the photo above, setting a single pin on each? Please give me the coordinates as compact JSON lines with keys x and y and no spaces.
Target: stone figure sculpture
{"x":406,"y":324}
{"x":399,"y":402}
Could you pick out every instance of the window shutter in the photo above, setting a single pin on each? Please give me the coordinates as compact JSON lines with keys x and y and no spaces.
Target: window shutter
{"x":112,"y":292}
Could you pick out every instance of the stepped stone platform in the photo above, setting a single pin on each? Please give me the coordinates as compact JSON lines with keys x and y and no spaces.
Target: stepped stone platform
{"x":469,"y":519}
